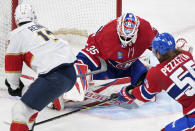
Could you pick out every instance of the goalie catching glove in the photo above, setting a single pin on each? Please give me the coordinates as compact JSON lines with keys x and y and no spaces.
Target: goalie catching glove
{"x":14,"y":91}
{"x":125,"y":95}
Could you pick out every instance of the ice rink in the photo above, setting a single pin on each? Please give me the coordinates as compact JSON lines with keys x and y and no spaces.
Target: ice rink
{"x":173,"y":16}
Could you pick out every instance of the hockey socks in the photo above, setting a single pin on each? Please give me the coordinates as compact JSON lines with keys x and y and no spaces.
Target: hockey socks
{"x":18,"y":126}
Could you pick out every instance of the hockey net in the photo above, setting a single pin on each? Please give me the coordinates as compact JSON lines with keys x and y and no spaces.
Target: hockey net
{"x":73,"y":20}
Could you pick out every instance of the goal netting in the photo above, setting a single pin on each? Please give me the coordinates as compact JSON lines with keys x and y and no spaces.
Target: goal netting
{"x":73,"y":20}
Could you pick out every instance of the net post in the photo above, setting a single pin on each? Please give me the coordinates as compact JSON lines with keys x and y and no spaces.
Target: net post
{"x":14,"y":5}
{"x":118,"y":8}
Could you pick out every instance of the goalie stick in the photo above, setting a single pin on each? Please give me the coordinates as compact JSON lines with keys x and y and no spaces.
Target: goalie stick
{"x":112,"y":97}
{"x":99,"y":97}
{"x":99,"y":100}
{"x":92,"y":97}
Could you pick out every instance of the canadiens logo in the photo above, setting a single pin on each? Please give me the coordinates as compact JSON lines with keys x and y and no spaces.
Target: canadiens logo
{"x":125,"y":65}
{"x":119,"y":54}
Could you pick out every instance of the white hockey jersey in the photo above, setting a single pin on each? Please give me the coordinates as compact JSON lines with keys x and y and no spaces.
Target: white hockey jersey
{"x":35,"y":45}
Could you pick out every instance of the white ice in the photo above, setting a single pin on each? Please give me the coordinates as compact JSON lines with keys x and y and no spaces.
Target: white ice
{"x":174,"y":16}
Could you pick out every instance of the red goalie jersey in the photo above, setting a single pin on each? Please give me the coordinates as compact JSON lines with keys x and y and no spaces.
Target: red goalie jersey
{"x":106,"y":44}
{"x":176,"y":77}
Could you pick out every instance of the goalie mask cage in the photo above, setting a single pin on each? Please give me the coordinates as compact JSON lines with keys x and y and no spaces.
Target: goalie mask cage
{"x":73,"y":20}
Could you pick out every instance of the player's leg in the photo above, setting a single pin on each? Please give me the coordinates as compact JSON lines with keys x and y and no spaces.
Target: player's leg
{"x":81,"y":84}
{"x":50,"y":86}
{"x":183,"y":124}
{"x":137,"y":72}
{"x":20,"y":115}
{"x":42,"y":91}
{"x":77,"y":93}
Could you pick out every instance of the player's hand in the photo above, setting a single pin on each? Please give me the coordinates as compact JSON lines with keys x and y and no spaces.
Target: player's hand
{"x":125,"y":95}
{"x":17,"y":92}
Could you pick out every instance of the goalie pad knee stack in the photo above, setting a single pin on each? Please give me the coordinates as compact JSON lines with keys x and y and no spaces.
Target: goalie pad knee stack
{"x":77,"y":93}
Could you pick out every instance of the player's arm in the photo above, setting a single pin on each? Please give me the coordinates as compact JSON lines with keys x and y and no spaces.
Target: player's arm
{"x":143,"y":93}
{"x":13,"y":68}
{"x":93,"y":50}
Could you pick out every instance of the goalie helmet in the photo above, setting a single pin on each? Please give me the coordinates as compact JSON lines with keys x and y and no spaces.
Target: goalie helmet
{"x":24,"y":13}
{"x":127,"y":28}
{"x":163,"y":43}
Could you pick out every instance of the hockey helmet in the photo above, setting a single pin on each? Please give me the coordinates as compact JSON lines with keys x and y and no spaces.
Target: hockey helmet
{"x":163,"y":43}
{"x":127,"y":28}
{"x":24,"y":13}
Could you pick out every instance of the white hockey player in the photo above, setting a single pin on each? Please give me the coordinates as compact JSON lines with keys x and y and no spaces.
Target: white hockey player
{"x":51,"y":58}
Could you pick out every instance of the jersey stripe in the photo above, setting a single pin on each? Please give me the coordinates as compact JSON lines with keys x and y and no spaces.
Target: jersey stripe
{"x":91,"y":60}
{"x":146,"y":94}
{"x":14,"y":62}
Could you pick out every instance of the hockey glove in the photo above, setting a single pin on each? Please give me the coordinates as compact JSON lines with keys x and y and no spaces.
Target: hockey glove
{"x":125,"y":95}
{"x":17,"y":92}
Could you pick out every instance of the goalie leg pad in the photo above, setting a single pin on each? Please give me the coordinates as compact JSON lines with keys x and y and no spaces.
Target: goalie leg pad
{"x":77,"y":93}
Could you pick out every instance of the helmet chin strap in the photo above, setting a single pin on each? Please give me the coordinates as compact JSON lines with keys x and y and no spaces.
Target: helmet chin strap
{"x":133,"y":40}
{"x":130,"y":43}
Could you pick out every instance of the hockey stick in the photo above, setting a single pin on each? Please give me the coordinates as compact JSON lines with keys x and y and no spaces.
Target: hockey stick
{"x":99,"y":97}
{"x":112,"y":97}
{"x":98,"y":86}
